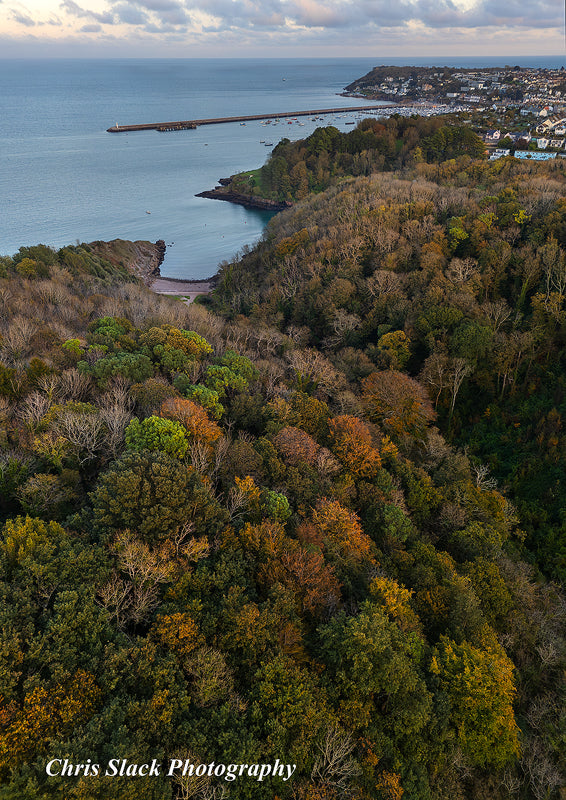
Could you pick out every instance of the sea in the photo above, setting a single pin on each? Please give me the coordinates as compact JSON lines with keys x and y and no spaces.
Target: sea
{"x":65,"y":180}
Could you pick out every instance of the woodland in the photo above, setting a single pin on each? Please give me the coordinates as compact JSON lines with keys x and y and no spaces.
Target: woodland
{"x":317,"y":516}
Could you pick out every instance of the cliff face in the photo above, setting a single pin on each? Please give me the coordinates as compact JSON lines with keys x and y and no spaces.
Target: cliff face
{"x":142,"y":258}
{"x":247,"y":200}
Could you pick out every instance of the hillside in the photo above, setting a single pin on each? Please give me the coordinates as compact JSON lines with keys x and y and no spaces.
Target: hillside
{"x":296,"y":169}
{"x":316,"y":519}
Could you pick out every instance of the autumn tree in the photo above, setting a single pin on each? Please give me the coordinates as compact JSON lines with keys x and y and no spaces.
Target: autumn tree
{"x":353,"y":444}
{"x":398,"y":403}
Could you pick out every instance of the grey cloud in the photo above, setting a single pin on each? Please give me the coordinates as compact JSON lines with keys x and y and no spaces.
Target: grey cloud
{"x":170,"y":16}
{"x":176,"y":16}
{"x":130,"y":15}
{"x":313,"y":14}
{"x":159,"y":5}
{"x":307,"y":13}
{"x":22,"y":19}
{"x":540,"y":13}
{"x":491,"y":13}
{"x":75,"y":10}
{"x":273,"y":20}
{"x":270,"y":14}
{"x":440,"y":13}
{"x":91,"y":28}
{"x":152,"y":28}
{"x":167,"y":13}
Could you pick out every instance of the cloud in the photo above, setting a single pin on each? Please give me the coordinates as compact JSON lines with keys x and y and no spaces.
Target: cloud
{"x":490,"y":13}
{"x":174,"y":16}
{"x":160,"y":5}
{"x":540,"y":13}
{"x":160,"y":29}
{"x":316,"y":21}
{"x":72,"y":8}
{"x":312,"y":14}
{"x":130,"y":15}
{"x":22,"y":19}
{"x":153,"y":15}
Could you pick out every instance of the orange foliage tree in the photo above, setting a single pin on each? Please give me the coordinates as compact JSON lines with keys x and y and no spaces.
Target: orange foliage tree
{"x":295,"y":446}
{"x":398,"y":403}
{"x":352,"y":444}
{"x":341,"y":533}
{"x":193,"y":417}
{"x":45,"y":715}
{"x":178,"y":633}
{"x":313,"y":582}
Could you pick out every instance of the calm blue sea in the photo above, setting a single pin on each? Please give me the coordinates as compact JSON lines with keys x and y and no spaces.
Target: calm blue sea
{"x":64,"y":179}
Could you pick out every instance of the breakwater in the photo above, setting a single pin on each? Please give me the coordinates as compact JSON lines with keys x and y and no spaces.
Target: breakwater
{"x":190,"y":124}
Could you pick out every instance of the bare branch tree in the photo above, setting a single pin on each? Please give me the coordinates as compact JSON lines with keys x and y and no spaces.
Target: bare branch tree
{"x":34,"y":407}
{"x":334,"y":764}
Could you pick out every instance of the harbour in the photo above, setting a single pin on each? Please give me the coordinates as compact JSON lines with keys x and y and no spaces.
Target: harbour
{"x":191,"y":124}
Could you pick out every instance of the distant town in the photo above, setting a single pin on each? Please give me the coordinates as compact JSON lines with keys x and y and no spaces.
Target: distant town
{"x":518,"y":111}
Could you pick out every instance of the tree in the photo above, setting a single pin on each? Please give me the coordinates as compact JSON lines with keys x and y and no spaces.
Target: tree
{"x":153,"y":494}
{"x":150,"y":394}
{"x":372,"y":668}
{"x":45,"y":715}
{"x":288,"y":708}
{"x":352,"y":443}
{"x":341,"y":533}
{"x":158,"y":434}
{"x":193,"y":418}
{"x":295,"y":446}
{"x":480,"y":688}
{"x":394,"y":348}
{"x":81,"y":425}
{"x":314,"y":583}
{"x":398,"y":403}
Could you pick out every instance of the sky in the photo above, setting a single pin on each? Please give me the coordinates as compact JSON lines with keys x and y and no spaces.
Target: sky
{"x":280,"y":28}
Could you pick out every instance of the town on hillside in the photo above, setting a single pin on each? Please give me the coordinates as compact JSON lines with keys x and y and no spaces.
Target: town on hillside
{"x":518,"y":111}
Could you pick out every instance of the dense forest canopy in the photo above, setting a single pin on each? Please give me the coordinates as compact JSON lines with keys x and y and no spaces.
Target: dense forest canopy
{"x":295,"y":169}
{"x":318,"y":518}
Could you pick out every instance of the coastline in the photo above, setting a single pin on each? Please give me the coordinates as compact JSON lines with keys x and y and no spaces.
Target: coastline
{"x":223,"y":192}
{"x":189,"y":289}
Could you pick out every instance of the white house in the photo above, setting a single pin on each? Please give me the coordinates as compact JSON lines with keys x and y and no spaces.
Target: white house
{"x":501,"y":152}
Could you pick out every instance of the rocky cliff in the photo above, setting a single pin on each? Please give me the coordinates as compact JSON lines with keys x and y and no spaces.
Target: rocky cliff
{"x":247,"y":200}
{"x":142,"y":258}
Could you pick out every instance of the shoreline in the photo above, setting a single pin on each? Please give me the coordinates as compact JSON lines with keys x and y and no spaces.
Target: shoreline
{"x":247,"y":200}
{"x":190,"y":289}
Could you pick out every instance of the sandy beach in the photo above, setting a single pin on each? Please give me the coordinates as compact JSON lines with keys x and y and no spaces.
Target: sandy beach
{"x":180,"y":288}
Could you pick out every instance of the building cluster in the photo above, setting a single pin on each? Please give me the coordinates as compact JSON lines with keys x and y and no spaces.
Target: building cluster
{"x":534,"y":91}
{"x":550,"y":139}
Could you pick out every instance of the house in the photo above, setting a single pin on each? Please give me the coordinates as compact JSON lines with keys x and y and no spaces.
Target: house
{"x":542,"y":143}
{"x":533,"y":155}
{"x":492,"y":136}
{"x":501,"y":152}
